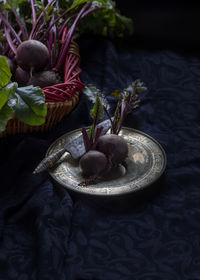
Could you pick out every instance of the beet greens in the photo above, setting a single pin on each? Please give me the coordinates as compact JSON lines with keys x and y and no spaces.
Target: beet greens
{"x":45,"y":21}
{"x":46,"y":25}
{"x":97,"y":113}
{"x":35,"y":39}
{"x":54,"y":24}
{"x":128,"y":100}
{"x":27,"y":103}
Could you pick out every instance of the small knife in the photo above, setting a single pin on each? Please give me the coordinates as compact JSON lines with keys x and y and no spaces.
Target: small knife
{"x":76,"y":148}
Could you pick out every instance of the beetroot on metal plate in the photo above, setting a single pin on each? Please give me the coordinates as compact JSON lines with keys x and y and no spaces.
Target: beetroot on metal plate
{"x":93,"y":163}
{"x":114,"y":147}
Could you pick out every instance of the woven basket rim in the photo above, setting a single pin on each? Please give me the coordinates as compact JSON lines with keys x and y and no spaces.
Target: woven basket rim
{"x":60,"y":102}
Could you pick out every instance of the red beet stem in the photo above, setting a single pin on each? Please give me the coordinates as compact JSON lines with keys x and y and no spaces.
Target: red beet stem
{"x":53,"y":23}
{"x":39,"y":18}
{"x":20,"y":23}
{"x":64,"y":25}
{"x":33,"y":11}
{"x":69,"y":38}
{"x":10,"y":42}
{"x":8,"y":25}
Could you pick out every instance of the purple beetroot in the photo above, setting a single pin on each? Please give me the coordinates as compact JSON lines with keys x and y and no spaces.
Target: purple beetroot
{"x":114,"y":147}
{"x":32,"y":55}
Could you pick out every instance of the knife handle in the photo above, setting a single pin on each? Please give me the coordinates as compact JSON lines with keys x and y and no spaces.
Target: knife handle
{"x":49,"y":161}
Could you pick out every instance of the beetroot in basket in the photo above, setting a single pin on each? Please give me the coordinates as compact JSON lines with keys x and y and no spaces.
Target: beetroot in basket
{"x":44,"y":62}
{"x":39,"y":59}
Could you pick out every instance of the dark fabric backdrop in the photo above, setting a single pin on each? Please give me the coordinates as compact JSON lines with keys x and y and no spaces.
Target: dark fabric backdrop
{"x":48,"y":233}
{"x":169,"y":23}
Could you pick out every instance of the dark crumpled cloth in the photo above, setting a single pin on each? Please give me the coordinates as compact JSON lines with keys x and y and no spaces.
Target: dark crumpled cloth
{"x":48,"y":233}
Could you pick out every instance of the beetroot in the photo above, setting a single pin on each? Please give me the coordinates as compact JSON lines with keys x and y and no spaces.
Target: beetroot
{"x":44,"y":79}
{"x":93,"y":163}
{"x":114,"y":147}
{"x":21,"y":77}
{"x":32,"y":55}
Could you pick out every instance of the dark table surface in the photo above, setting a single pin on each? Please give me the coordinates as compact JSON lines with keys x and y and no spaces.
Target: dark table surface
{"x":48,"y":233}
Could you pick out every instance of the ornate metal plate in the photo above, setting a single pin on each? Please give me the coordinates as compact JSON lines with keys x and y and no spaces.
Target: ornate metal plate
{"x":145,"y":163}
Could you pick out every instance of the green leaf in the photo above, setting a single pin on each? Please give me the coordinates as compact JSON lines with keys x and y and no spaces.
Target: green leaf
{"x":6,"y":113}
{"x":91,"y":131}
{"x":6,"y":92}
{"x":5,"y":74}
{"x":79,"y":2}
{"x":25,"y":114}
{"x":15,"y":3}
{"x":64,"y":4}
{"x":91,"y":91}
{"x":117,"y":94}
{"x":34,"y":97}
{"x":76,"y":3}
{"x":127,"y":22}
{"x":97,"y":112}
{"x":31,"y":107}
{"x":117,"y":117}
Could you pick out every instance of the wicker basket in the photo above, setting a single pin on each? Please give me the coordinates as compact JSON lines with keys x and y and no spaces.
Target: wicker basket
{"x":55,"y":110}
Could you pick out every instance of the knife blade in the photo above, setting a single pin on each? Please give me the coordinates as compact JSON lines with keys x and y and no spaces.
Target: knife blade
{"x":75,"y":147}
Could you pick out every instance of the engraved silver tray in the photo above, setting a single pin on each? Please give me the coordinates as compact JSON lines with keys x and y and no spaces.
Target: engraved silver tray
{"x":145,"y":163}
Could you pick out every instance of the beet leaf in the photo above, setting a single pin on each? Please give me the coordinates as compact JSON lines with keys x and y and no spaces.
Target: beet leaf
{"x":96,"y":113}
{"x":5,"y":74}
{"x":6,"y":92}
{"x":30,"y":108}
{"x":27,"y":103}
{"x":128,"y":100}
{"x":20,"y":22}
{"x":91,"y":91}
{"x":6,"y":113}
